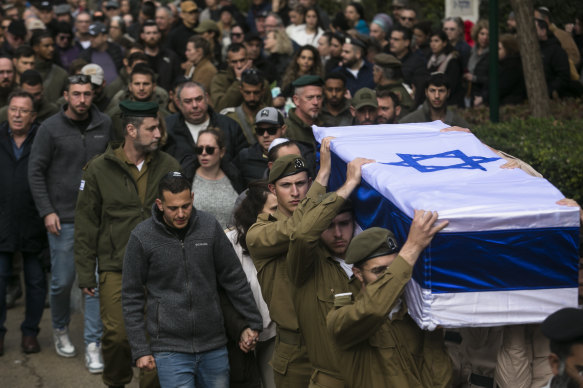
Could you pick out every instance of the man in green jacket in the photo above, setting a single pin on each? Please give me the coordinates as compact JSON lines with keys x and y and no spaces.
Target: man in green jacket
{"x":116,"y":193}
{"x":378,"y":343}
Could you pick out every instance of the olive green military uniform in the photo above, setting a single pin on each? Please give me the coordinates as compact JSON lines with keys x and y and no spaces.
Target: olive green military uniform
{"x":268,"y":241}
{"x":54,"y":78}
{"x":378,"y":343}
{"x":298,"y":130}
{"x":405,"y":101}
{"x":247,"y":123}
{"x":114,"y":197}
{"x":225,"y":91}
{"x":317,"y":277}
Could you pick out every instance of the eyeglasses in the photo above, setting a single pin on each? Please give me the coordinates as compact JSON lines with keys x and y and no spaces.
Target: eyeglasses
{"x":21,"y":111}
{"x":377,"y":270}
{"x":209,"y":150}
{"x":79,"y":79}
{"x":270,"y":130}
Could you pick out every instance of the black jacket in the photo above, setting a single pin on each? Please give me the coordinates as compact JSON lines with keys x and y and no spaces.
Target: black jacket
{"x":113,"y":50}
{"x":251,"y":163}
{"x":21,"y":227}
{"x":177,"y":39}
{"x":180,"y":142}
{"x":555,"y":64}
{"x":415,"y":72}
{"x":167,"y":67}
{"x":511,"y":81}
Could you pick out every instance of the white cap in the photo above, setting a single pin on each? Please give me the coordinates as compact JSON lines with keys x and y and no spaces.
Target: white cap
{"x":96,"y":73}
{"x":276,"y":142}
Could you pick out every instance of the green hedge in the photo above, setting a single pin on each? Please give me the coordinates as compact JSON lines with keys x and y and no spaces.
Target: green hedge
{"x":554,"y":148}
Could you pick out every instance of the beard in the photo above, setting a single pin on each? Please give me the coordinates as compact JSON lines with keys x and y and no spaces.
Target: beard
{"x":564,"y":381}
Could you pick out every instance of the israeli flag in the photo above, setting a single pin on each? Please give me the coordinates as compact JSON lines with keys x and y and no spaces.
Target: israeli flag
{"x":509,"y":254}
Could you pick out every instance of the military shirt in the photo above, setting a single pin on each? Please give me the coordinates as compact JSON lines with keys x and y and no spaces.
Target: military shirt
{"x":379,"y":347}
{"x":268,"y":241}
{"x":317,"y":277}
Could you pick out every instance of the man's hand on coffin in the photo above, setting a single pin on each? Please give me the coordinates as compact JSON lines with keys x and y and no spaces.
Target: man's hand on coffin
{"x":573,"y":203}
{"x":511,"y":164}
{"x":353,"y":176}
{"x":455,"y":129}
{"x":325,"y":162}
{"x":422,"y":230}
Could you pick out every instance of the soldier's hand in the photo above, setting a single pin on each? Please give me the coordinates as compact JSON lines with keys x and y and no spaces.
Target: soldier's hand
{"x":455,"y":129}
{"x":353,"y":176}
{"x":146,"y":362}
{"x":573,"y":203}
{"x":512,"y":164}
{"x":88,"y":291}
{"x":53,"y":224}
{"x":422,"y":230}
{"x":325,"y":161}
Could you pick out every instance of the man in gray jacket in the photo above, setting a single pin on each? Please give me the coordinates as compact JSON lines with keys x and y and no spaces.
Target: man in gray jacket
{"x":174,"y":264}
{"x":65,"y":142}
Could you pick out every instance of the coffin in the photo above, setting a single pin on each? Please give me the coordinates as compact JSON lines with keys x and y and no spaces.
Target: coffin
{"x":509,"y":254}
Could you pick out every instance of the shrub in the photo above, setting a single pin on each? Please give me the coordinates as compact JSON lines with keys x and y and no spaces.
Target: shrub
{"x":554,"y":148}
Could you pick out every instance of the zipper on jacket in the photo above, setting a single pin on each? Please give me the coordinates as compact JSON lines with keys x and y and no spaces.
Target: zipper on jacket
{"x":188,"y":290}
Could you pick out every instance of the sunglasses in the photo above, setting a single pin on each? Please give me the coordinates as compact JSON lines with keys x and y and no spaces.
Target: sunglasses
{"x":236,"y":34}
{"x":209,"y":150}
{"x":79,"y":79}
{"x":270,"y":131}
{"x":407,"y":18}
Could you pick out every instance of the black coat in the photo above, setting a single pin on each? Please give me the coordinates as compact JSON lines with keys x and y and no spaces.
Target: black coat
{"x":511,"y":84}
{"x":21,"y":227}
{"x":414,"y":66}
{"x":180,"y":142}
{"x":555,"y":64}
{"x":251,"y":163}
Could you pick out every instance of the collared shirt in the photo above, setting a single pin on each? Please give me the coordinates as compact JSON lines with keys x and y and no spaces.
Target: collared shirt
{"x":15,"y":148}
{"x":140,"y":175}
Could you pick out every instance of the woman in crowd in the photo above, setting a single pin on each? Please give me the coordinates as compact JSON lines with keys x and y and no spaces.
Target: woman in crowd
{"x":280,"y":49}
{"x":305,"y":61}
{"x":444,"y":59}
{"x":336,"y":42}
{"x":215,"y":183}
{"x":510,"y":76}
{"x":354,"y":14}
{"x":297,"y":21}
{"x":380,"y":28}
{"x":259,"y":200}
{"x":312,"y":31}
{"x":421,"y":33}
{"x":477,"y":75}
{"x":199,"y":57}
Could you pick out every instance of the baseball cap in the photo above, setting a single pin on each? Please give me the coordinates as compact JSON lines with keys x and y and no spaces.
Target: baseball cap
{"x":269,"y":115}
{"x":97,"y":28}
{"x":365,"y":97}
{"x":96,"y":73}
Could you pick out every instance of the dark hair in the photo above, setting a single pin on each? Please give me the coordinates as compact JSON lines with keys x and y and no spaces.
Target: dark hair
{"x":136,"y":121}
{"x":20,"y":94}
{"x":319,"y":24}
{"x":143,"y":69}
{"x":339,"y":22}
{"x":543,"y":25}
{"x":235,"y":47}
{"x":138,"y":56}
{"x":217,"y":133}
{"x":272,"y":154}
{"x":437,"y":79}
{"x":76,"y":66}
{"x":246,"y":213}
{"x":392,"y":72}
{"x":424,"y":26}
{"x":149,"y":9}
{"x":341,"y":38}
{"x":31,"y":77}
{"x":77,"y":79}
{"x":174,"y":182}
{"x":148,"y":23}
{"x":39,"y":35}
{"x":23,"y":51}
{"x":252,"y":77}
{"x":293,"y":69}
{"x":564,"y":349}
{"x":63,"y":28}
{"x":358,"y":7}
{"x":510,"y":45}
{"x":387,"y":93}
{"x":299,"y":9}
{"x":336,"y":75}
{"x":201,"y":43}
{"x":407,"y":33}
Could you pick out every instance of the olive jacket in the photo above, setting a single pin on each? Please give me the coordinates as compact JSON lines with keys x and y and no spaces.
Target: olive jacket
{"x":108,"y":209}
{"x":317,"y":277}
{"x":378,"y":343}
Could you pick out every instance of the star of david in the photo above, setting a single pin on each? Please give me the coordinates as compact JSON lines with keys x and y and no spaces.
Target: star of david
{"x":467,"y":162}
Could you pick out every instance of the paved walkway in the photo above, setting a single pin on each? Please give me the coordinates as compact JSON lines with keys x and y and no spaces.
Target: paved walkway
{"x":45,"y":369}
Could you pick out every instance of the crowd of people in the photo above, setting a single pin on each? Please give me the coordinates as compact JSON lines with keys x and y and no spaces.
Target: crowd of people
{"x":157,"y":126}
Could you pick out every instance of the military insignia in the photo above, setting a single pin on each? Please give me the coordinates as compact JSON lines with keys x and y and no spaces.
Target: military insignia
{"x":392,"y":244}
{"x":298,"y":163}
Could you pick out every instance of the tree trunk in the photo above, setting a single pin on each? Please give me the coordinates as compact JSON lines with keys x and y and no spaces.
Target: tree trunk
{"x":532,"y":65}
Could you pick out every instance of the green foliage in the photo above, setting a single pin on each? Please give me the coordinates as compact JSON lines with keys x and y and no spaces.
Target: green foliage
{"x":554,"y":148}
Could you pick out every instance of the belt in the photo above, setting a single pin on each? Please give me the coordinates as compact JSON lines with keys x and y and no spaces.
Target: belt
{"x":481,"y":381}
{"x":325,"y":379}
{"x":289,"y":337}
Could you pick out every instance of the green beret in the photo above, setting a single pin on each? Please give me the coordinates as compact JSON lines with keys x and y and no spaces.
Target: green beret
{"x":386,"y":60}
{"x":565,"y":325}
{"x":207,"y":25}
{"x":306,"y":80}
{"x":365,"y":97}
{"x":285,"y":166}
{"x":371,"y":243}
{"x":138,"y":108}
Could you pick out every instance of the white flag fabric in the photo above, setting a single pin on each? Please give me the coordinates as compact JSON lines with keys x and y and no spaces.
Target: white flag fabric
{"x":509,"y":254}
